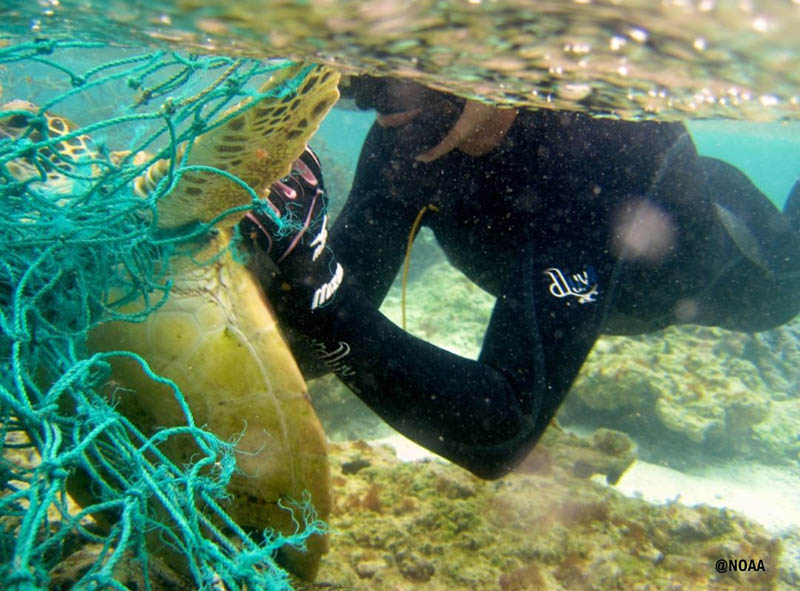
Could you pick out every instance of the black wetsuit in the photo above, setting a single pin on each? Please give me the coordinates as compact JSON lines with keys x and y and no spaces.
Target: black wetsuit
{"x":579,"y":227}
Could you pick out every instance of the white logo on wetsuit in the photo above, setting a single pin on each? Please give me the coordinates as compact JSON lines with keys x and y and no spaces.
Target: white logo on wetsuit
{"x":320,"y":240}
{"x":580,"y":285}
{"x":334,"y":360}
{"x":327,"y":290}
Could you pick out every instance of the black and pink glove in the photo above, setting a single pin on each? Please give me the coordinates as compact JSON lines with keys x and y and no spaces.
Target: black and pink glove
{"x":299,"y":247}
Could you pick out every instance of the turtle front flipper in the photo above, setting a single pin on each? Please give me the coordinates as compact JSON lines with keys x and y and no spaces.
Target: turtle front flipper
{"x":257,"y":146}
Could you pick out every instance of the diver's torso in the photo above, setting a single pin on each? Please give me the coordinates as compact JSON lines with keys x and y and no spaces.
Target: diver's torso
{"x":554,"y":190}
{"x":559,"y":187}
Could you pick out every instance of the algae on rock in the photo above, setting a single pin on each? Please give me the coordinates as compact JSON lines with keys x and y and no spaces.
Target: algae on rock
{"x":545,"y":528}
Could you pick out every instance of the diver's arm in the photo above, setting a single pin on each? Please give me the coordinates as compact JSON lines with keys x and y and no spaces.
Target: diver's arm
{"x":369,"y":237}
{"x":370,"y":234}
{"x":484,"y":415}
{"x":464,"y":410}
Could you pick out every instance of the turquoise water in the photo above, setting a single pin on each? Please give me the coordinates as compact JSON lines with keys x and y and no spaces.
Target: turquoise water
{"x":716,"y":417}
{"x":769,"y":153}
{"x":339,"y":140}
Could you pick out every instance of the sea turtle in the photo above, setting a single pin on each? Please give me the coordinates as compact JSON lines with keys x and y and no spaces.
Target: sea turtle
{"x":216,"y":336}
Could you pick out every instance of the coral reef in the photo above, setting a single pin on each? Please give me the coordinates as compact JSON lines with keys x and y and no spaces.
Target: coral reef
{"x":430,"y":525}
{"x":789,"y":570}
{"x":777,"y":436}
{"x":549,"y":527}
{"x":607,"y":452}
{"x":692,"y":379}
{"x":720,"y":391}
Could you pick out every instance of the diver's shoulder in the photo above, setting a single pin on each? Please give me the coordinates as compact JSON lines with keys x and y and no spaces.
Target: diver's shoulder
{"x":535,"y":119}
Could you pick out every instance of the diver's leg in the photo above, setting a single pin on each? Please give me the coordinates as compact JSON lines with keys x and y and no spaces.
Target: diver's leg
{"x":730,"y":187}
{"x":791,"y":209}
{"x":758,"y":289}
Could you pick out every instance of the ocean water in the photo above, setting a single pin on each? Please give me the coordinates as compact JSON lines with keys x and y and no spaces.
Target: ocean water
{"x":657,"y":469}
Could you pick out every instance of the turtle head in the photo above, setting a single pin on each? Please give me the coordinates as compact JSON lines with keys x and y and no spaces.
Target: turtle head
{"x":258,"y":146}
{"x":13,"y":124}
{"x":20,"y":118}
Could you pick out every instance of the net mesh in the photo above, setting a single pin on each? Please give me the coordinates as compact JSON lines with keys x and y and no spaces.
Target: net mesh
{"x":71,"y":233}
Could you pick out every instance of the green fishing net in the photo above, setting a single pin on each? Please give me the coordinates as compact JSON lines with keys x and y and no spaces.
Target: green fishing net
{"x":64,"y":247}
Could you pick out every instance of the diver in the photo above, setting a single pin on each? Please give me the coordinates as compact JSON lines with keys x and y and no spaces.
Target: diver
{"x":579,"y":226}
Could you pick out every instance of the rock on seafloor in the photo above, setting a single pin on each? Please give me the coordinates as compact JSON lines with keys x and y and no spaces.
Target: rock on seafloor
{"x":707,"y":388}
{"x":550,"y":526}
{"x":547,"y":527}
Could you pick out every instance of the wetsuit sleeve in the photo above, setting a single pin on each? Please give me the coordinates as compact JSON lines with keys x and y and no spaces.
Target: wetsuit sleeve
{"x":484,"y":415}
{"x":369,"y":238}
{"x":370,"y":234}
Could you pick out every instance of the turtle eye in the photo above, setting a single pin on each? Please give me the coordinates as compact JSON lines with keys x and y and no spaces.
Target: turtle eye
{"x":17,"y":122}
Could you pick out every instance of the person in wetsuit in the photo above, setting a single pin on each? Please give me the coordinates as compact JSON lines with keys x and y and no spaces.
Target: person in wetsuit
{"x":578,"y":226}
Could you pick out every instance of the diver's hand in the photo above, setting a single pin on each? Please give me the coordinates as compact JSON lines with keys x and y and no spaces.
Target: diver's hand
{"x":299,"y":249}
{"x":477,"y":131}
{"x":299,"y":201}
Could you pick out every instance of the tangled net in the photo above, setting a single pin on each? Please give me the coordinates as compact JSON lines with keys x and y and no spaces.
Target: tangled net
{"x":61,"y":254}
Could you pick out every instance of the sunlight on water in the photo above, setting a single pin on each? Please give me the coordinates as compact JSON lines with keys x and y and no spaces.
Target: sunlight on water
{"x":627,"y":58}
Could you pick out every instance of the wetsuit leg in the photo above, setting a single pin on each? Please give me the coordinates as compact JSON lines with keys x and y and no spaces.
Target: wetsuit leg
{"x":791,"y":210}
{"x":758,"y":289}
